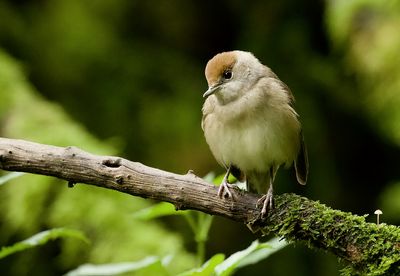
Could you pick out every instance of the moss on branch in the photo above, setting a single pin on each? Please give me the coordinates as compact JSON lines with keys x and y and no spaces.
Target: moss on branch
{"x":369,"y":248}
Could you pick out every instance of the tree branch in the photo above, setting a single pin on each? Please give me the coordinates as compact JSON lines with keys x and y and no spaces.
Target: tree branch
{"x":368,"y":248}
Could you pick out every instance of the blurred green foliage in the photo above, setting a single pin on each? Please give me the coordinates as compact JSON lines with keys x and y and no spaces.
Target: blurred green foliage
{"x":367,"y":31}
{"x":40,"y":239}
{"x":30,"y":203}
{"x":126,"y":77}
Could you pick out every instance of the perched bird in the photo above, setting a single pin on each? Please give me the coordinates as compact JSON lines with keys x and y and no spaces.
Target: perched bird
{"x":250,"y":124}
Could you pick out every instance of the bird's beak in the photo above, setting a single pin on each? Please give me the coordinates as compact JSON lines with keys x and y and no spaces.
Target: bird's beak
{"x":211,"y":90}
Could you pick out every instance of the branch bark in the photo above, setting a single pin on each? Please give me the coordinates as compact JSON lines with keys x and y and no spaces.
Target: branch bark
{"x":367,"y":247}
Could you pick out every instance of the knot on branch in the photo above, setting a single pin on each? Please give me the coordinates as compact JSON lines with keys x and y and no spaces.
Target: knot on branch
{"x":112,"y":162}
{"x":3,"y":156}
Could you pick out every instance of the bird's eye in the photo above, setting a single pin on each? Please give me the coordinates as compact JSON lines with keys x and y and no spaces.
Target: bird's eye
{"x":227,"y":74}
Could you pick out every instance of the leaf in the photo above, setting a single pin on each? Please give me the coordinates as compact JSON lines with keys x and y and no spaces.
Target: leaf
{"x":203,"y":226}
{"x":253,"y":254}
{"x":229,"y":265}
{"x":231,"y":179}
{"x":218,"y":179}
{"x":266,"y":249}
{"x":5,"y":178}
{"x":118,"y":268}
{"x":207,"y":268}
{"x":209,"y":177}
{"x":40,"y":239}
{"x":157,"y":210}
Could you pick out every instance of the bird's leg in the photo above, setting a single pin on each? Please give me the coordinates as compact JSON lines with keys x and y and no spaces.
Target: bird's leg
{"x":224,"y":187}
{"x":267,"y":200}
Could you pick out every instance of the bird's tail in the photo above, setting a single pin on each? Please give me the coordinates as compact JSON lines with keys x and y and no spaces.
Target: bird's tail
{"x":301,"y":162}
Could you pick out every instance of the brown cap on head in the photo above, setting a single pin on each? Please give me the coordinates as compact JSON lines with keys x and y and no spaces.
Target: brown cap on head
{"x":217,"y":65}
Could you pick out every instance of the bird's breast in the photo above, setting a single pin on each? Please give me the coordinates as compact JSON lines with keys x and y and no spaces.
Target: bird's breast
{"x":254,"y":142}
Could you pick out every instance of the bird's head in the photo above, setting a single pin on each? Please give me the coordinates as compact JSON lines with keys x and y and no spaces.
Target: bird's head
{"x":231,"y":74}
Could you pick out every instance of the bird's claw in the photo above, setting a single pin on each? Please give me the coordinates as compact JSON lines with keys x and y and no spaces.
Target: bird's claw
{"x":224,"y":190}
{"x":267,"y":202}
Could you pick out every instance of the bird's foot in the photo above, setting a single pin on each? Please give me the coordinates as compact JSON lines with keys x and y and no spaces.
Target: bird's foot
{"x":267,"y":202}
{"x":224,"y":190}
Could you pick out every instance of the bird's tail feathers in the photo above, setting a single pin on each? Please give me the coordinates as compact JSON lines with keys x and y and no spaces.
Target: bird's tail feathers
{"x":301,"y":162}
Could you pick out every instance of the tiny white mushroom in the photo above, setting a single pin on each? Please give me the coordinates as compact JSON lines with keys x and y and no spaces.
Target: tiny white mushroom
{"x":378,"y":213}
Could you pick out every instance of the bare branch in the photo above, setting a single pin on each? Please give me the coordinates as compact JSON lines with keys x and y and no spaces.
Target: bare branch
{"x":366,"y":246}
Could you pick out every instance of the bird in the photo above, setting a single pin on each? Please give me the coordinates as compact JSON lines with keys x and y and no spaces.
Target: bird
{"x":250,"y":125}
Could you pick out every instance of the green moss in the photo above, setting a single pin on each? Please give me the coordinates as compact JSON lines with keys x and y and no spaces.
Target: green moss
{"x":367,"y":248}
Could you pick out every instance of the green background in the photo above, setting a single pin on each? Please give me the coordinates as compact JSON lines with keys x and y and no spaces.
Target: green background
{"x":126,"y":78}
